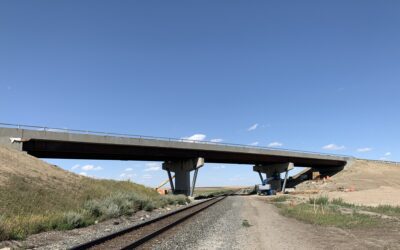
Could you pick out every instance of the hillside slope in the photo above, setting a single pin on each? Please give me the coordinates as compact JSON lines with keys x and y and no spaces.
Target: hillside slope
{"x":15,"y":163}
{"x":361,"y":175}
{"x":362,"y":182}
{"x":36,"y":196}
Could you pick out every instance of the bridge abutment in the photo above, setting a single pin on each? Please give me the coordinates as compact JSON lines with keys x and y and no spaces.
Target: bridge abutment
{"x":182,"y":169}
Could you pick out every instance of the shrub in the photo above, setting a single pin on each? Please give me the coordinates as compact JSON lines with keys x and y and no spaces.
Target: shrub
{"x":181,"y":199}
{"x":93,"y":207}
{"x":149,"y":206}
{"x":72,"y":220}
{"x":246,"y":223}
{"x":3,"y":229}
{"x":110,"y":210}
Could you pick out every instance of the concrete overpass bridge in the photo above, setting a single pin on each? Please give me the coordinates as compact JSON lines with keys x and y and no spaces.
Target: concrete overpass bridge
{"x":179,"y":155}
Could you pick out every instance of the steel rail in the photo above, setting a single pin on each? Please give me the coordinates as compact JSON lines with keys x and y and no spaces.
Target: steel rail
{"x":88,"y":132}
{"x":143,"y":239}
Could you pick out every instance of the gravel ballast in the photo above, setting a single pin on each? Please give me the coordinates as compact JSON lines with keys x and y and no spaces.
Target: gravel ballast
{"x":214,"y":228}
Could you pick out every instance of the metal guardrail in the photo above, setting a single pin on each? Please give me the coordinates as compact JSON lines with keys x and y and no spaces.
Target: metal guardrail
{"x":88,"y":132}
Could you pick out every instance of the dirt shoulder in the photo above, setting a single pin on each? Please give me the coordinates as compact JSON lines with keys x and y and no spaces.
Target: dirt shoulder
{"x":270,"y":230}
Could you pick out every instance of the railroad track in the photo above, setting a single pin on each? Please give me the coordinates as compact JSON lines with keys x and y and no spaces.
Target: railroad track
{"x":137,"y":235}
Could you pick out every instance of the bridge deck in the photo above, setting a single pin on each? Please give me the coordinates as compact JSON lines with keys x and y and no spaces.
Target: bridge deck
{"x":68,"y":145}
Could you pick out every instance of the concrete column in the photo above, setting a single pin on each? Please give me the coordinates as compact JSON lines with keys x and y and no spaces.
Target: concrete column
{"x":182,"y":182}
{"x":194,"y":181}
{"x":182,"y":169}
{"x":261,"y":177}
{"x":272,"y":170}
{"x":171,"y":182}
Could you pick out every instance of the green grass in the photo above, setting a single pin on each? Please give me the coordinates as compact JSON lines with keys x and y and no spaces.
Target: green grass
{"x":321,"y":200}
{"x":381,"y":209}
{"x":28,"y":206}
{"x":386,"y":209}
{"x":322,"y":211}
{"x":245,"y":223}
{"x":328,"y":216}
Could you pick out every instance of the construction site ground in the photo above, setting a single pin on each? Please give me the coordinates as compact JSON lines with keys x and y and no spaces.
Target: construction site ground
{"x":362,"y":182}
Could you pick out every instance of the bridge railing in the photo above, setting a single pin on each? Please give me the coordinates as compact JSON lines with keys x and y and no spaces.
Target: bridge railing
{"x":89,"y":132}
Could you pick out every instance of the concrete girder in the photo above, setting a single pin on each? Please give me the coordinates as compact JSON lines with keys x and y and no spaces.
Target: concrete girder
{"x":47,"y":143}
{"x":182,"y":169}
{"x":273,"y":168}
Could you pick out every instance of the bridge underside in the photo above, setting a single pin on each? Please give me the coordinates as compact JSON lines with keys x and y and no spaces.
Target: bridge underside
{"x":79,"y":150}
{"x":48,"y":144}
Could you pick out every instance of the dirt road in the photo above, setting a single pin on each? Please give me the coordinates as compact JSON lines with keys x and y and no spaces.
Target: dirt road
{"x":273,"y":231}
{"x":223,"y":227}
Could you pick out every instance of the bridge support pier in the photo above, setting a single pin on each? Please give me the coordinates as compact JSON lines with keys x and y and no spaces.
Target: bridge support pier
{"x":274,"y":170}
{"x":182,"y":169}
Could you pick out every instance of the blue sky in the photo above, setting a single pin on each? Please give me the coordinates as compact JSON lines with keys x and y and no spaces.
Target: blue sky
{"x":313,"y":75}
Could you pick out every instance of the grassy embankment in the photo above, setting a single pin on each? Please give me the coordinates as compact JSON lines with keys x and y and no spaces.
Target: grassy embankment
{"x":27,"y":206}
{"x":325,"y":212}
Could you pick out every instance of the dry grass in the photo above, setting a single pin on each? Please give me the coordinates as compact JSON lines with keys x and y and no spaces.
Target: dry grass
{"x":325,"y":212}
{"x":36,"y":197}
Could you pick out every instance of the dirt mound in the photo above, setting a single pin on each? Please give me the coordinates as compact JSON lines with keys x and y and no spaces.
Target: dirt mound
{"x":16,"y":163}
{"x":361,"y":182}
{"x":359,"y":175}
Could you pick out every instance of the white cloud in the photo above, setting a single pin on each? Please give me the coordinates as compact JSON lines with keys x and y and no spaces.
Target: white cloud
{"x":217,"y":140}
{"x":128,"y":169}
{"x":388,"y":153}
{"x":254,"y":143}
{"x":195,"y":137}
{"x":362,"y":150}
{"x":275,"y":144}
{"x":333,"y":147}
{"x":91,"y":167}
{"x":152,"y":166}
{"x":75,"y":167}
{"x":253,"y":127}
{"x":83,"y":173}
{"x":87,"y":167}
